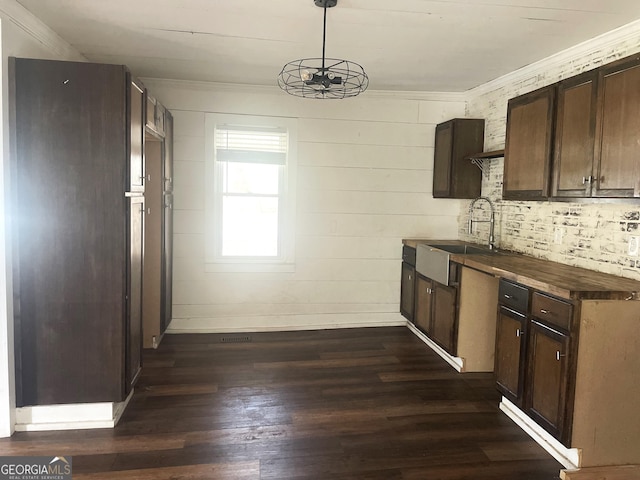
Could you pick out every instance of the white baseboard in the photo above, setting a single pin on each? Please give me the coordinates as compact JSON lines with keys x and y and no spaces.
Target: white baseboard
{"x":569,"y":457}
{"x":74,"y":416}
{"x":281,"y":323}
{"x":455,"y":362}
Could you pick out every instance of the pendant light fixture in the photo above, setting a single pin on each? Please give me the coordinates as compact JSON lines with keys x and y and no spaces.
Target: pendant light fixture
{"x":323,"y":77}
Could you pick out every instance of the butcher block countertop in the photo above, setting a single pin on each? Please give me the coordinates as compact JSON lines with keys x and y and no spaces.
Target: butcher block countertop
{"x":563,"y":281}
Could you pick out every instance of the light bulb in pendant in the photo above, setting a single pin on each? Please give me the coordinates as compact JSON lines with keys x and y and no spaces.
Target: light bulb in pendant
{"x":306,"y":75}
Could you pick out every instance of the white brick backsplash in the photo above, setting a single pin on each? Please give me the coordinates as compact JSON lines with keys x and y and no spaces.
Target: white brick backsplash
{"x":596,"y":235}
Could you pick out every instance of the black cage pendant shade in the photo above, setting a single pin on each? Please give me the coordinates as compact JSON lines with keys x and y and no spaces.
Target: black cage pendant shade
{"x":321,"y":78}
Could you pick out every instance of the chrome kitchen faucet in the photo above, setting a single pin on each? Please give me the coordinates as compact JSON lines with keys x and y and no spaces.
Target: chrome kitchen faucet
{"x":491,"y":220}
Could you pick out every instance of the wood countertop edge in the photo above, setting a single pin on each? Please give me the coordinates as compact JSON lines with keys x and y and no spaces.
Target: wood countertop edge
{"x":485,"y":264}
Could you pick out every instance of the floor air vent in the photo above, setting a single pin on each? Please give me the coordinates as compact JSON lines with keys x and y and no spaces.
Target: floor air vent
{"x":235,"y":339}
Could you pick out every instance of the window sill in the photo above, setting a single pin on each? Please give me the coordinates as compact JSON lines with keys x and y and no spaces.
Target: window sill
{"x":250,"y":267}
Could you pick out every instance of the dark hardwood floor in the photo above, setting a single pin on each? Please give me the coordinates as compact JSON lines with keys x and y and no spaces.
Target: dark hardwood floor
{"x":357,"y":404}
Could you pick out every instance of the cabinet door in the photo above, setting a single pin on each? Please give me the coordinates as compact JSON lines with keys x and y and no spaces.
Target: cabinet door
{"x":136,"y":125}
{"x":407,"y":290}
{"x":444,"y":329}
{"x":167,"y":227}
{"x":133,"y":354}
{"x":423,"y":305}
{"x":454,"y":176}
{"x":574,"y":137}
{"x":168,"y":153}
{"x":618,"y":123}
{"x":69,"y":171}
{"x":443,"y":152}
{"x":527,"y":159}
{"x":510,"y":354}
{"x":546,"y":389}
{"x":155,"y":115}
{"x":167,"y":264}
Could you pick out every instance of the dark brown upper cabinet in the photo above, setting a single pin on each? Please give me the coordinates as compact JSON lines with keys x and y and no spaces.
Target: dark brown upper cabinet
{"x":454,"y":176}
{"x":155,"y":116}
{"x":527,"y":158}
{"x":582,"y":132}
{"x":617,"y":140}
{"x":574,"y":136}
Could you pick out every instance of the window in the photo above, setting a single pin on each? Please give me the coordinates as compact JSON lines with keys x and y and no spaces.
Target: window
{"x":250,"y":206}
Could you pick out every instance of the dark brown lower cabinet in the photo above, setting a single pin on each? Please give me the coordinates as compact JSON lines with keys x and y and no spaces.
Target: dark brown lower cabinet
{"x":443,"y":319}
{"x":407,"y":291}
{"x":424,"y":304}
{"x":408,"y":282}
{"x":510,"y":353}
{"x":547,"y":377}
{"x":532,"y":355}
{"x":436,"y":312}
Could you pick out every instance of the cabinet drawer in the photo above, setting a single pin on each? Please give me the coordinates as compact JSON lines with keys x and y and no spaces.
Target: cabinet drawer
{"x":514,"y":296}
{"x":409,"y":255}
{"x":551,"y":310}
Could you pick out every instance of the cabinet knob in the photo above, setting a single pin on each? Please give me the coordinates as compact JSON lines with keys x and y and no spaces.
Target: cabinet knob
{"x":518,"y":333}
{"x":409,"y":277}
{"x":429,"y":291}
{"x":586,"y":180}
{"x":543,"y":311}
{"x":558,"y":355}
{"x":508,"y":297}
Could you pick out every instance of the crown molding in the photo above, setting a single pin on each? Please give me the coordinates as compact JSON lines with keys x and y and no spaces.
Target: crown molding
{"x":273,"y":90}
{"x":608,"y":40}
{"x":36,"y":28}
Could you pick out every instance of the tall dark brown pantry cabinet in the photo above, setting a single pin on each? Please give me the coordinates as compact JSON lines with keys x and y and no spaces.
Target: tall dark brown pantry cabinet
{"x":78,"y":212}
{"x":158,"y":271}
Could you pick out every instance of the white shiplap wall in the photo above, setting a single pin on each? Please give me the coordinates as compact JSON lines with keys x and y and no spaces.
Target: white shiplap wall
{"x":594,"y":235}
{"x":363,"y":184}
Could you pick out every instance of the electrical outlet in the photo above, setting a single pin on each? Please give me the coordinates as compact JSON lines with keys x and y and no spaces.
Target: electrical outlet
{"x":634,"y":246}
{"x":558,"y":235}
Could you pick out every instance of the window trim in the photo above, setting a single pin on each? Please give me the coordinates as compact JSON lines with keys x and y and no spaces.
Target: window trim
{"x":285,"y":261}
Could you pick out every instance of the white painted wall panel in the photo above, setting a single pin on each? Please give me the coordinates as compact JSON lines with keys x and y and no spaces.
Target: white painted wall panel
{"x":365,"y":180}
{"x":412,"y":203}
{"x":188,"y":148}
{"x":365,"y":156}
{"x":188,"y":221}
{"x":366,"y":132}
{"x":433,"y":112}
{"x":363,"y":183}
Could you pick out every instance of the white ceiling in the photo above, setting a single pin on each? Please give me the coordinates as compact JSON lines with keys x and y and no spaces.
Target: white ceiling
{"x":421,"y":45}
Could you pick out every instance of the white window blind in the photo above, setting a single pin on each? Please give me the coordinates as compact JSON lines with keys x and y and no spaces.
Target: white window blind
{"x":251,"y":173}
{"x":250,"y":145}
